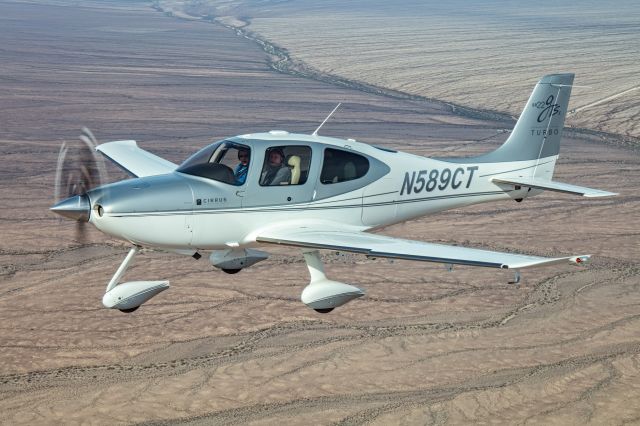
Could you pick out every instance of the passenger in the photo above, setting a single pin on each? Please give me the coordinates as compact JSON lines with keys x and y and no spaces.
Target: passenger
{"x":275,"y":172}
{"x":242,"y":169}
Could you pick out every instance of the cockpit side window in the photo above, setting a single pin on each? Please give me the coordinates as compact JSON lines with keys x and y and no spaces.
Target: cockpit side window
{"x":286,"y":165}
{"x":225,"y":161}
{"x":342,"y":166}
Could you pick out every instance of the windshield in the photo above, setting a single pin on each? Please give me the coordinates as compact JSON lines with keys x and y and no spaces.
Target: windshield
{"x":224,"y":161}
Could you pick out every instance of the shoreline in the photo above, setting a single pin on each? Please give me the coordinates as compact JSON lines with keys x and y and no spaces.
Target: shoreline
{"x":279,"y":59}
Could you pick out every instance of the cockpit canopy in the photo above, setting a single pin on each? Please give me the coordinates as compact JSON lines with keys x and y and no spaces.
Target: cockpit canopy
{"x":317,"y":170}
{"x":221,"y":161}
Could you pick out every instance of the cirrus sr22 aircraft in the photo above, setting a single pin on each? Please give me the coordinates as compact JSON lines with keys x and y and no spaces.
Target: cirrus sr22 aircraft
{"x":314,"y":192}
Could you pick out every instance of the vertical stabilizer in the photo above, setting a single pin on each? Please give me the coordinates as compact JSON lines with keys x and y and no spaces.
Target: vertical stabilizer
{"x":538,"y":131}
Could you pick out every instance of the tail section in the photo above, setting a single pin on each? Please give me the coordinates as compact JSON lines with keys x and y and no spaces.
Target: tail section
{"x":536,"y":139}
{"x":538,"y":131}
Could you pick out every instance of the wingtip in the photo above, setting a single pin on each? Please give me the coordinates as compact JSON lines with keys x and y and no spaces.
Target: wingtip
{"x":129,"y":143}
{"x":600,"y":194}
{"x":581,"y":259}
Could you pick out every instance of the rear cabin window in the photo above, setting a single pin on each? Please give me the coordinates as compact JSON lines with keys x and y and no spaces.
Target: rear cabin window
{"x":286,"y":165}
{"x":342,"y":166}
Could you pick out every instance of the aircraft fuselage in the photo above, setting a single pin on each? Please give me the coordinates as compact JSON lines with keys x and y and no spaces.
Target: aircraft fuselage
{"x":190,"y":212}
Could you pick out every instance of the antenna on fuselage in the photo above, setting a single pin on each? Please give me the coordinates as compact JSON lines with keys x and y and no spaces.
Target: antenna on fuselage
{"x":315,"y":133}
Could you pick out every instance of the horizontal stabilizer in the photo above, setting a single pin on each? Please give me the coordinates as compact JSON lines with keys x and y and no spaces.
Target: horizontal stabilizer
{"x":344,"y":239}
{"x":134,"y":160}
{"x":549,"y":185}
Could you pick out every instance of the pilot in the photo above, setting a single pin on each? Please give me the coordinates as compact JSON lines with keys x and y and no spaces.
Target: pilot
{"x":275,"y":172}
{"x":241,"y":170}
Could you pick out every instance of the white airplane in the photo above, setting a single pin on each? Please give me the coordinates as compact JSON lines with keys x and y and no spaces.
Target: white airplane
{"x":316,"y":192}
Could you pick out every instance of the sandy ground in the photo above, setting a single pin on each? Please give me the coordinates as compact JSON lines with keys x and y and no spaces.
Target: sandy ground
{"x":483,"y":54}
{"x":424,"y":346}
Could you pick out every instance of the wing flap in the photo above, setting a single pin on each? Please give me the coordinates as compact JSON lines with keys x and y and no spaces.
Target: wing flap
{"x":389,"y":247}
{"x":549,"y":185}
{"x":134,"y":160}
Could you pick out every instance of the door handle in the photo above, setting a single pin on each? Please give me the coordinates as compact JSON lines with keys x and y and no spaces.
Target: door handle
{"x":240,"y":193}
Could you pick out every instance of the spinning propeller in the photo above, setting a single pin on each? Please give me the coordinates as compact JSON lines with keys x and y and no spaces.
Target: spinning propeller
{"x":79,"y":170}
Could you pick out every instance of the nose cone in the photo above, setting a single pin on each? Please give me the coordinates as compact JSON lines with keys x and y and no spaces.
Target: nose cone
{"x":77,"y":208}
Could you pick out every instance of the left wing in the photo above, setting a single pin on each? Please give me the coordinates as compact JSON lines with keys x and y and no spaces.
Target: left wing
{"x":135,"y":160}
{"x":335,"y":237}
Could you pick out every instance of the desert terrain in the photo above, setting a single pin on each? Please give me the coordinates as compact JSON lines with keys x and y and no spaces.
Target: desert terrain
{"x":479,"y":54}
{"x":424,"y":346}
